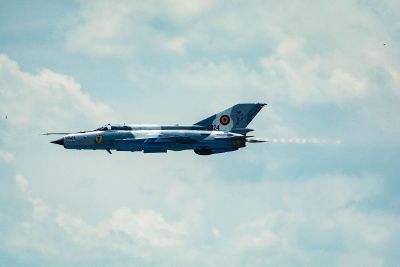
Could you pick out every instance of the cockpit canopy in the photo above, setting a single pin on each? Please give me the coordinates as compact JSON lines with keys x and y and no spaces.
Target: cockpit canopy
{"x":113,"y":127}
{"x":104,"y":128}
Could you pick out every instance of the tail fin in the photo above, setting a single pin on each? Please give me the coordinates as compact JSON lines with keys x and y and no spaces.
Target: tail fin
{"x":236,"y":117}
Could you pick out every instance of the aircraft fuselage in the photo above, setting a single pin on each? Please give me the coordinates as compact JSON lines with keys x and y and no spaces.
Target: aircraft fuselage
{"x":222,"y":132}
{"x":155,"y":141}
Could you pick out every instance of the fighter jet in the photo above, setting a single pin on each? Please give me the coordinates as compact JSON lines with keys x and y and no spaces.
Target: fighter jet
{"x":222,"y":132}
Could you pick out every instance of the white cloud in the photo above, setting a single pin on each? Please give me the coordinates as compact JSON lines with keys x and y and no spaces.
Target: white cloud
{"x":301,"y":222}
{"x":318,"y":215}
{"x":360,"y":259}
{"x":22,"y":183}
{"x":102,"y":23}
{"x":147,"y":225}
{"x":177,"y":45}
{"x":263,"y":239}
{"x":215,"y":85}
{"x":216,"y":232}
{"x":45,"y":100}
{"x":39,"y":209}
{"x":6,"y":156}
{"x":307,"y":55}
{"x":187,"y":8}
{"x":144,"y":229}
{"x":311,"y":79}
{"x":126,"y":28}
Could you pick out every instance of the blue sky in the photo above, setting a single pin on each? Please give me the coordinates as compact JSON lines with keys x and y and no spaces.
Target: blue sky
{"x":329,"y":71}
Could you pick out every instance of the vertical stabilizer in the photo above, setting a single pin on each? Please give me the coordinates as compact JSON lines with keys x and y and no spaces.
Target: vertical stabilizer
{"x":238,"y":116}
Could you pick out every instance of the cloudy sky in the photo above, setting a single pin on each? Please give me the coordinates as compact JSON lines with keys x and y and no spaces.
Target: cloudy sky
{"x":329,"y":71}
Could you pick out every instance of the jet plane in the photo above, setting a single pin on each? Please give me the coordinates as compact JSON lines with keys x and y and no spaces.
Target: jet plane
{"x":222,"y":132}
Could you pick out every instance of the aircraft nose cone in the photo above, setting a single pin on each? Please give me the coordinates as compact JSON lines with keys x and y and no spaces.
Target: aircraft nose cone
{"x":58,"y":141}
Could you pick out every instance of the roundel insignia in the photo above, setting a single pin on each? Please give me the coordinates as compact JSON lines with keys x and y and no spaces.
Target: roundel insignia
{"x":99,"y":138}
{"x":224,"y":119}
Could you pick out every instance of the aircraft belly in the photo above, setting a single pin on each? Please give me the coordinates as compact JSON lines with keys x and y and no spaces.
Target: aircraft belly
{"x":162,"y":143}
{"x":131,"y":145}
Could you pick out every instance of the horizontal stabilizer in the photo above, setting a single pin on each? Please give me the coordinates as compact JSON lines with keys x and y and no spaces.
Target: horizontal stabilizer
{"x":243,"y":131}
